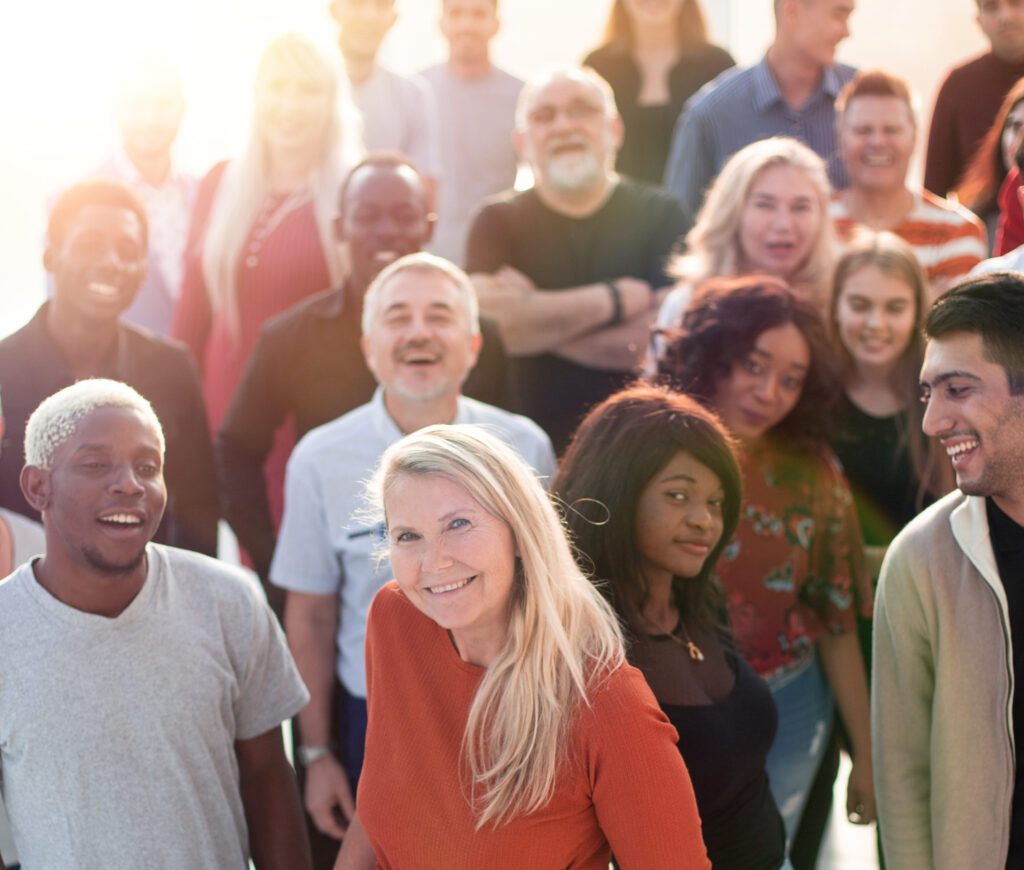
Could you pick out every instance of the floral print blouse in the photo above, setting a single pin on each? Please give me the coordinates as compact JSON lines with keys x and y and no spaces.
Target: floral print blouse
{"x":795,"y":566}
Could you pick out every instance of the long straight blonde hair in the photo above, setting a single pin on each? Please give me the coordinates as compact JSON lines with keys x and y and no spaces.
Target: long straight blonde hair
{"x":562,"y":635}
{"x":246,"y":181}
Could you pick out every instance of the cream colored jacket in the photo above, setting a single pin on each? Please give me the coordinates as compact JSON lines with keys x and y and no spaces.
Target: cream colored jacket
{"x":942,"y":693}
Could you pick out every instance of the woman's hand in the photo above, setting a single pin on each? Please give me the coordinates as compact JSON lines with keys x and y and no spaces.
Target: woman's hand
{"x":860,"y":794}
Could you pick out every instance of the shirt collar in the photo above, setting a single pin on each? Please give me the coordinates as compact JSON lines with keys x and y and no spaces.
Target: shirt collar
{"x":766,"y":88}
{"x":388,"y":428}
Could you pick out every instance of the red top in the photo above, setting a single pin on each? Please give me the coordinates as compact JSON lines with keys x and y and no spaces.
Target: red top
{"x":281,"y":264}
{"x":795,"y":566}
{"x":624,"y":782}
{"x":1010,"y":233}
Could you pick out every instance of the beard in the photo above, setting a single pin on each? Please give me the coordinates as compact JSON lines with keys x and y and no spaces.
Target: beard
{"x":574,"y":173}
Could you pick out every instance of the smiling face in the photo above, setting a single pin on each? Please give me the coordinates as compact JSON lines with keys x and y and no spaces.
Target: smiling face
{"x":293,"y":113}
{"x":1002,"y":22}
{"x":420,"y":346}
{"x":876,"y":141}
{"x":385,"y":216}
{"x":98,"y":264}
{"x":453,"y":560}
{"x":973,"y":414}
{"x":104,"y":495}
{"x":678,"y":519}
{"x":876,"y":317}
{"x":763,"y":387}
{"x":779,"y":222}
{"x":569,"y":138}
{"x":469,"y":26}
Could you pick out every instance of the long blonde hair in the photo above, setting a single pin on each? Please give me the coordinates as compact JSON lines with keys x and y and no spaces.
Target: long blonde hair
{"x":246,"y":181}
{"x":713,"y":244}
{"x":562,"y":635}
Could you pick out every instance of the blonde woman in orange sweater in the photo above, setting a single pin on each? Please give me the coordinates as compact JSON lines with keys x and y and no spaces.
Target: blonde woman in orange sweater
{"x":505,"y":729}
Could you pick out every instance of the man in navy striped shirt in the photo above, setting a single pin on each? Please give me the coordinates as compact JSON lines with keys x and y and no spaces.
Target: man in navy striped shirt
{"x":791,"y":92}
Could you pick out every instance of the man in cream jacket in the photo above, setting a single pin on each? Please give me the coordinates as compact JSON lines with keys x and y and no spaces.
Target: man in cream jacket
{"x":950,"y":601}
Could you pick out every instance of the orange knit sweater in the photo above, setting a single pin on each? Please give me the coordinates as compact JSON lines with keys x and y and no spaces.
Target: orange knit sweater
{"x":626,"y":788}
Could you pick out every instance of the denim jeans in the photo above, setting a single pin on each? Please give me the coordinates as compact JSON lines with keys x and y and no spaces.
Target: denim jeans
{"x":805,"y":709}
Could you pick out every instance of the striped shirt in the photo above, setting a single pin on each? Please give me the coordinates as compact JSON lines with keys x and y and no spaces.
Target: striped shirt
{"x":948,"y":239}
{"x":741,"y":106}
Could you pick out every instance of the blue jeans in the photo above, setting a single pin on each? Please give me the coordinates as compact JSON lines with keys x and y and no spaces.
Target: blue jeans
{"x":805,"y":709}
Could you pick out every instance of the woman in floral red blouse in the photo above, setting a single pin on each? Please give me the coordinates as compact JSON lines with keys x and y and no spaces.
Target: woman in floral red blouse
{"x":794,"y":573}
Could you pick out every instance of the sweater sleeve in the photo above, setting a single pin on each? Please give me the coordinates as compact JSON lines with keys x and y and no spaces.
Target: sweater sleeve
{"x":943,"y":162}
{"x":641,"y":790}
{"x":244,"y":441}
{"x":902,"y":690}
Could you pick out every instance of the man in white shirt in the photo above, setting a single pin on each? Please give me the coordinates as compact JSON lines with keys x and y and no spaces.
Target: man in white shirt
{"x":421,"y":337}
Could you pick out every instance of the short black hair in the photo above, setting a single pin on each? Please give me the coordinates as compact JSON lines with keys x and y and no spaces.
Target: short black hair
{"x":388,"y":159}
{"x":992,"y":306}
{"x":95,"y":191}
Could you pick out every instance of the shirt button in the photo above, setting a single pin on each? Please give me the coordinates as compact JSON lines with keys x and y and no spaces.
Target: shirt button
{"x":252,"y":261}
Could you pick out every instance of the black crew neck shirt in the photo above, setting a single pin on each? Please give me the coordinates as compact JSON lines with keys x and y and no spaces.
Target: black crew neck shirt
{"x":1008,"y":544}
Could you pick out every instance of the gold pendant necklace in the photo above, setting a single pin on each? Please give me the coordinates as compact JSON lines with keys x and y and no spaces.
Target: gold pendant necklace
{"x":694,"y":651}
{"x":679,"y":635}
{"x":691,"y":647}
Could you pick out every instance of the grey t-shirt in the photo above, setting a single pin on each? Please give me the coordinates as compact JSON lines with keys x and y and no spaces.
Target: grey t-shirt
{"x":117,"y":735}
{"x":478,"y":154}
{"x":399,"y":114}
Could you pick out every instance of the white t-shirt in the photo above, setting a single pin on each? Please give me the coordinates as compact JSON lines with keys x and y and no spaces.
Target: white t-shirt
{"x":117,"y":735}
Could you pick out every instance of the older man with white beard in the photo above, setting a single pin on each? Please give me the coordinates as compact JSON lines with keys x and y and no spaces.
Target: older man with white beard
{"x":572,"y":269}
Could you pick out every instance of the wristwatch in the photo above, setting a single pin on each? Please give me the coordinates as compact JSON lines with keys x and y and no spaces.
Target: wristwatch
{"x":309,"y":754}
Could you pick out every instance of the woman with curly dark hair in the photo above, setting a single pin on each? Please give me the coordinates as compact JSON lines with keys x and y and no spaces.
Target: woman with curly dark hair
{"x":758,"y":355}
{"x":652,"y":494}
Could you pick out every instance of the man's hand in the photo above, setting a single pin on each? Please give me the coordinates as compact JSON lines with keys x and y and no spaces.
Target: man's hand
{"x":328,"y":796}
